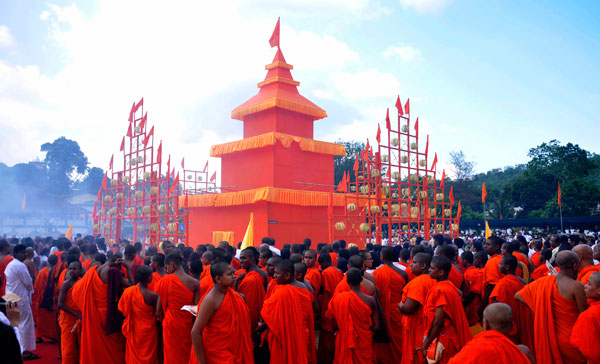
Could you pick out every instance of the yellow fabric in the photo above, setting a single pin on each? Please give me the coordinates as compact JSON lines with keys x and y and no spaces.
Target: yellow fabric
{"x":268,"y":139}
{"x":249,"y":236}
{"x":488,"y":232}
{"x":240,"y":112}
{"x":219,"y":236}
{"x":278,"y":79}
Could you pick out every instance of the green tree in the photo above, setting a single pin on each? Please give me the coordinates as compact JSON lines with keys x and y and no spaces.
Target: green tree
{"x":92,"y":181}
{"x":461,"y":167}
{"x":66,"y":164}
{"x":345,"y":163}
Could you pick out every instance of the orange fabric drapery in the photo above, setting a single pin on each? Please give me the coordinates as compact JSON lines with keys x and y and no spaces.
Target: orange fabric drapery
{"x":269,"y":139}
{"x":241,"y":111}
{"x":219,"y":236}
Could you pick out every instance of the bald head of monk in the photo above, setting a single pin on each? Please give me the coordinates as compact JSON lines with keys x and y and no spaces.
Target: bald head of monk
{"x":271,"y":264}
{"x":249,"y":258}
{"x":208,"y":258}
{"x":222,"y":274}
{"x":309,"y":258}
{"x":173,"y":262}
{"x":356,"y":261}
{"x":592,"y":288}
{"x":508,"y":264}
{"x":224,"y":245}
{"x":479,"y":259}
{"x":300,"y":271}
{"x":284,"y":272}
{"x":420,"y":263}
{"x":440,"y":268}
{"x":499,"y":317}
{"x":492,"y":245}
{"x":143,"y":275}
{"x":354,"y":277}
{"x":568,"y":262}
{"x":585,"y":253}
{"x":325,"y":260}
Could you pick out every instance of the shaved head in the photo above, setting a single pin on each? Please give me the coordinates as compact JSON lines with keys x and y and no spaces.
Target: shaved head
{"x":422,"y":258}
{"x":584,"y":252}
{"x":566,"y":258}
{"x":595,"y":279}
{"x":499,"y":317}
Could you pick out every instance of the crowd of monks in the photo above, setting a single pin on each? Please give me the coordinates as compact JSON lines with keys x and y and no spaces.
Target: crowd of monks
{"x":427,"y":303}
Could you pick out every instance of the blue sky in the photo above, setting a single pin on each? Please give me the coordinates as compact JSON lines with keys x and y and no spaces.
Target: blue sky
{"x":491,"y":78}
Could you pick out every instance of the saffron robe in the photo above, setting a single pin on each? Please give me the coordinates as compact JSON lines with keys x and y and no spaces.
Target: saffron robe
{"x":553,"y":320}
{"x":3,"y":265}
{"x":227,"y":335}
{"x":522,"y":331}
{"x":314,"y":277}
{"x":586,"y":332}
{"x":86,"y":264}
{"x":456,"y":277}
{"x":354,"y":339}
{"x":253,"y":288}
{"x":205,"y":271}
{"x":585,"y":273}
{"x":413,"y":326}
{"x":139,"y":327}
{"x":90,"y":296}
{"x":45,"y":318}
{"x":206,"y":284}
{"x":154,"y":283}
{"x":284,"y":315}
{"x":177,"y":324}
{"x":69,"y":340}
{"x":390,"y":285}
{"x":330,"y":278}
{"x":491,"y":272}
{"x":535,"y":259}
{"x":490,"y":346}
{"x":474,"y":278}
{"x":540,"y":272}
{"x":455,"y":332}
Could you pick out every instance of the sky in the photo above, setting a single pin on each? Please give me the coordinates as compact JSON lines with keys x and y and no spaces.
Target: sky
{"x":490,"y":78}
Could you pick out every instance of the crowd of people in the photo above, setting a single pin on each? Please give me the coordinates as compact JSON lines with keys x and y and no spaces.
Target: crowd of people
{"x":504,"y":299}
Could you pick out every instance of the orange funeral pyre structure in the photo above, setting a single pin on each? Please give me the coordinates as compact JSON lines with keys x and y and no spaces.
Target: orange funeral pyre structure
{"x":277,"y":171}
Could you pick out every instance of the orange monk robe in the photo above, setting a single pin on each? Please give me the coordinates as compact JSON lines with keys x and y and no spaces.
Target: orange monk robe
{"x":206,"y":284}
{"x":354,"y":339}
{"x":523,"y":266}
{"x":554,"y":317}
{"x":309,"y":323}
{"x":334,"y":258}
{"x":455,"y":333}
{"x":205,"y":271}
{"x":3,"y":265}
{"x":45,"y":319}
{"x":177,"y":324}
{"x":540,"y":272}
{"x":585,"y":273}
{"x":330,"y":278}
{"x":287,"y":335}
{"x":586,"y":332}
{"x":490,"y":346}
{"x":253,"y":288}
{"x":235,"y":263}
{"x":413,"y":326}
{"x":69,"y":346}
{"x":522,"y":330}
{"x":314,"y":277}
{"x":86,"y":264}
{"x":271,"y":288}
{"x":61,"y":280}
{"x":390,"y":285}
{"x":474,"y":277}
{"x":227,"y":335}
{"x":343,"y":286}
{"x":139,"y":327}
{"x":90,"y":296}
{"x":456,"y":277}
{"x":535,"y":259}
{"x":154,"y":283}
{"x":491,"y":271}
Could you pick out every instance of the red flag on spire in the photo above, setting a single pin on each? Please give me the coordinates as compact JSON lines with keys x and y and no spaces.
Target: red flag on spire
{"x":399,"y":106}
{"x":559,"y":193}
{"x":427,"y":146}
{"x":104,"y":180}
{"x":137,"y":106}
{"x":143,"y":122}
{"x":458,"y":212}
{"x":175,"y":183}
{"x":168,"y":165}
{"x":387,"y":119}
{"x":355,"y":168}
{"x":340,"y":186}
{"x":378,"y":137}
{"x":205,"y":166}
{"x":434,"y":161}
{"x":407,"y":106}
{"x":367,"y":149}
{"x":274,"y":40}
{"x":173,"y":173}
{"x":122,"y":145}
{"x":213,"y":178}
{"x":451,"y":196}
{"x":110,"y":164}
{"x":147,"y":138}
{"x":443,"y":181}
{"x":129,"y":131}
{"x":131,"y":112}
{"x":483,"y":192}
{"x":417,"y":127}
{"x":183,"y":163}
{"x":159,"y":153}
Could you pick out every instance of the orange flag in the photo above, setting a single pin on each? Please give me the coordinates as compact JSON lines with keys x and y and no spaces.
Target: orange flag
{"x":442,"y":181}
{"x":274,"y":40}
{"x":434,"y":161}
{"x":387,"y":119}
{"x":69,"y":233}
{"x":559,"y":193}
{"x":483,"y":193}
{"x":355,"y":168}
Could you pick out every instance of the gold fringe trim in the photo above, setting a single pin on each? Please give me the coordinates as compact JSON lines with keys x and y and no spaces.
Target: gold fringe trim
{"x":275,"y":79}
{"x":279,"y":64}
{"x":315,"y":112}
{"x":268,"y":139}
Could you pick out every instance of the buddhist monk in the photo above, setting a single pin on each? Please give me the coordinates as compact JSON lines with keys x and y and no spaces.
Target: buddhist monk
{"x":456,"y":275}
{"x":91,"y":297}
{"x":542,"y":269}
{"x":538,"y":245}
{"x":491,"y":272}
{"x":176,"y":290}
{"x":330,"y":277}
{"x":556,"y":301}
{"x":390,"y":281}
{"x":586,"y":261}
{"x":493,"y":344}
{"x":445,"y":318}
{"x":414,"y":296}
{"x":207,"y":260}
{"x":504,"y":292}
{"x":140,"y":307}
{"x":313,"y":275}
{"x":5,"y":258}
{"x":355,"y":316}
{"x":286,"y":314}
{"x":69,"y":315}
{"x":221,"y":331}
{"x":300,"y":275}
{"x":474,"y":277}
{"x":43,"y":301}
{"x":157,"y":264}
{"x":366,"y":285}
{"x":271,"y":264}
{"x":252,"y":283}
{"x":368,"y":259}
{"x":586,"y":330}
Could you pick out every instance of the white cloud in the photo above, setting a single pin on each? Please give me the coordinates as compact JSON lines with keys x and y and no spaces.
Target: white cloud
{"x":6,"y":37}
{"x":425,"y":6}
{"x":366,"y":84}
{"x":403,"y":53}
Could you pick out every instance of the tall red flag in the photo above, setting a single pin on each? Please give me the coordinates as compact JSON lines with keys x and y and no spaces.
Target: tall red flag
{"x":407,"y":106}
{"x":110,"y":164}
{"x":131,"y":112}
{"x":147,"y":138}
{"x":122,"y":145}
{"x":451,"y":196}
{"x":104,"y":180}
{"x":143,"y":122}
{"x":483,"y":192}
{"x":159,"y":153}
{"x":274,"y":40}
{"x":399,"y":106}
{"x":355,"y":168}
{"x":183,"y":163}
{"x":559,"y":194}
{"x":175,"y":183}
{"x":129,"y":131}
{"x":378,"y":137}
{"x":417,"y":127}
{"x":458,"y":212}
{"x":427,"y":146}
{"x":387,"y":119}
{"x":443,"y":180}
{"x":213,"y":178}
{"x":138,"y":105}
{"x":205,"y":167}
{"x":340,"y":186}
{"x":434,"y":161}
{"x":168,"y":165}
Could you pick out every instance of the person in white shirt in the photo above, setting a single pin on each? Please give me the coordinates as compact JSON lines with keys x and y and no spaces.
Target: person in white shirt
{"x":18,"y":281}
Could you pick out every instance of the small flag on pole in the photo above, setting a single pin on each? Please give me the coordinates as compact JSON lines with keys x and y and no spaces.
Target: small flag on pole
{"x":451,"y":196}
{"x":110,"y":165}
{"x":407,"y":106}
{"x":131,"y":112}
{"x":213,"y":178}
{"x":387,"y":119}
{"x":417,"y":128}
{"x":274,"y":40}
{"x":183,"y":163}
{"x":378,"y":137}
{"x":249,"y":236}
{"x":443,"y":179}
{"x":399,"y":106}
{"x":559,"y":194}
{"x":147,"y":138}
{"x":69,"y":233}
{"x":159,"y":153}
{"x":138,"y":105}
{"x":143,"y":122}
{"x":205,"y":167}
{"x":483,"y":193}
{"x":488,"y":231}
{"x":122,"y":145}
{"x":434,"y":161}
